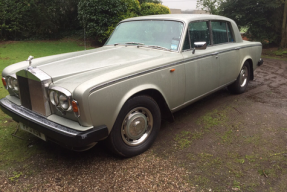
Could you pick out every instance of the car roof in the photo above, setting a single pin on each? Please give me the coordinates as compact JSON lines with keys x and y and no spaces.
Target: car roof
{"x":180,"y":17}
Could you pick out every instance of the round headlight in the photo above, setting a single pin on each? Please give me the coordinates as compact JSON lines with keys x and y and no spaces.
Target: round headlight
{"x":15,"y":85}
{"x":64,"y":102}
{"x":10,"y":82}
{"x":56,"y":98}
{"x":52,"y":97}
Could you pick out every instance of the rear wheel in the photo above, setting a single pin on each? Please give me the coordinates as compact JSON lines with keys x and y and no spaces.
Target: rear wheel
{"x":136,"y":127}
{"x":240,"y":85}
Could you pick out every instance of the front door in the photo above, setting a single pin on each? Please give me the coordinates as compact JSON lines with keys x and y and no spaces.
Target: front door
{"x":202,"y":67}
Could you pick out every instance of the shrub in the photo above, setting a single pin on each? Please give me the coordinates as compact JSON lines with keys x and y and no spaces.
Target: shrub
{"x":153,"y":9}
{"x":36,"y":18}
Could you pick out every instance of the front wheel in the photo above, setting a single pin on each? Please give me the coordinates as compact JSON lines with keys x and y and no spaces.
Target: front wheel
{"x":240,"y":85}
{"x":136,"y":127}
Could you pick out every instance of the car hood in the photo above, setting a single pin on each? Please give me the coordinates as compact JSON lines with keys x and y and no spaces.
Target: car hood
{"x":72,"y":69}
{"x":98,"y":59}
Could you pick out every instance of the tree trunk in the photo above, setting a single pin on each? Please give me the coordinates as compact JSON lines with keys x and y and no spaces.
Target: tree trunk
{"x":284,"y":32}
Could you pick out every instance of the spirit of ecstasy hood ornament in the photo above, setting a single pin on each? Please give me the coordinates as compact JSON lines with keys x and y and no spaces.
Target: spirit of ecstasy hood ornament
{"x":30,"y":60}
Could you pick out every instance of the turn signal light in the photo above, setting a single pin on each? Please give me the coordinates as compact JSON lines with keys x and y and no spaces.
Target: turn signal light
{"x":4,"y":82}
{"x":75,"y":106}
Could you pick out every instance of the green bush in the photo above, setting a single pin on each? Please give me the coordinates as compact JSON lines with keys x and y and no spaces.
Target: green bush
{"x":36,"y":18}
{"x":153,"y":9}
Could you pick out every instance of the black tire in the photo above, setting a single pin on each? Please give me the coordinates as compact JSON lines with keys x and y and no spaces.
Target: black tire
{"x":139,"y":117}
{"x":240,"y":85}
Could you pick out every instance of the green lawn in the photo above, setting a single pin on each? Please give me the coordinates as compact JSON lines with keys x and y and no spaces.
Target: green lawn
{"x":13,"y":150}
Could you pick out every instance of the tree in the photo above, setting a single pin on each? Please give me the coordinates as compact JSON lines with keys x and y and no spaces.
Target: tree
{"x":262,"y":18}
{"x":153,"y":9}
{"x":284,"y":30}
{"x":210,"y":6}
{"x":150,"y":1}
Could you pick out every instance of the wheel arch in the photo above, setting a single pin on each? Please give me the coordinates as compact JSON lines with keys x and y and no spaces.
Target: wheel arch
{"x":160,"y":100}
{"x":250,"y":62}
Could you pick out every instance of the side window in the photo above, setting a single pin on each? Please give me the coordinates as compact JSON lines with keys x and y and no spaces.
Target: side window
{"x":199,"y":32}
{"x":219,"y":32}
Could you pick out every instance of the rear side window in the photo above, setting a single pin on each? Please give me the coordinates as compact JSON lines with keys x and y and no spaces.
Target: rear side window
{"x":221,"y":32}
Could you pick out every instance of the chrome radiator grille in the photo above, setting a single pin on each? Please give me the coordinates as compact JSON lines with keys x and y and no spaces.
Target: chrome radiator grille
{"x":24,"y":92}
{"x":33,"y":84}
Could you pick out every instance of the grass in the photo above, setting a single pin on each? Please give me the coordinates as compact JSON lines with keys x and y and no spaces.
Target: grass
{"x":275,"y":53}
{"x":206,"y":123}
{"x":237,"y":159}
{"x":14,"y":150}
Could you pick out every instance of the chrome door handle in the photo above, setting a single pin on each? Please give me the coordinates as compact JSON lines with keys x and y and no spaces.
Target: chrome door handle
{"x":237,"y":48}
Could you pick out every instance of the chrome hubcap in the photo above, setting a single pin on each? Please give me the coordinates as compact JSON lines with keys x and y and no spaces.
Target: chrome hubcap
{"x":243,"y":77}
{"x":137,"y":126}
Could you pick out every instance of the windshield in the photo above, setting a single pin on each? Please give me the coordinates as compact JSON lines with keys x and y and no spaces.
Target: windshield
{"x":154,"y":33}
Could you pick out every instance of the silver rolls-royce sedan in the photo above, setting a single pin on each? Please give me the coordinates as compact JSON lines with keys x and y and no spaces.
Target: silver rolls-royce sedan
{"x":150,"y":67}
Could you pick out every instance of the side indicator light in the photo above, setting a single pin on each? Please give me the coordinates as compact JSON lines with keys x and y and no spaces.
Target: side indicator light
{"x":172,"y":70}
{"x":75,"y":106}
{"x":4,"y":82}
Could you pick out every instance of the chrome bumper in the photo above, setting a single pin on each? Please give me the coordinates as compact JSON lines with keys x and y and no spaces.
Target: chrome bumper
{"x":54,"y":132}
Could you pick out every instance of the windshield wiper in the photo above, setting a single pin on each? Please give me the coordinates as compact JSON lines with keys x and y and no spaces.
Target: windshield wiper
{"x":155,"y":47}
{"x":129,"y":43}
{"x":134,"y":43}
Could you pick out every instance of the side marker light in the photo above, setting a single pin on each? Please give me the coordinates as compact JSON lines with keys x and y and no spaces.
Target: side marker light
{"x":4,"y":82}
{"x":75,"y":106}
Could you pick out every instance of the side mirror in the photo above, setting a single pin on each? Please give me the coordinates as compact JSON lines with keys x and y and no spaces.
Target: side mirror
{"x":199,"y":46}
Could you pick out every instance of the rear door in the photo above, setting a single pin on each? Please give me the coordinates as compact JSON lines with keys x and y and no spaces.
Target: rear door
{"x":223,"y":40}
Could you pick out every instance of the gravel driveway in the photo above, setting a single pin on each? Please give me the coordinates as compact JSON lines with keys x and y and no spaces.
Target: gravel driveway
{"x":222,"y":143}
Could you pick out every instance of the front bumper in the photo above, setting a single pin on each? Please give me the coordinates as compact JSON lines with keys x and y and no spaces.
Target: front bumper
{"x":54,"y":132}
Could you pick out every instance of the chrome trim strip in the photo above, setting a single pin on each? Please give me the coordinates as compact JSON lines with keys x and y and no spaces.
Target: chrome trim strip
{"x":34,"y":117}
{"x":62,"y":90}
{"x":102,"y":85}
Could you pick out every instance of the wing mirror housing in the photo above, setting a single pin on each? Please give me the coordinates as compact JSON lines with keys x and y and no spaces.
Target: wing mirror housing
{"x":199,"y":46}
